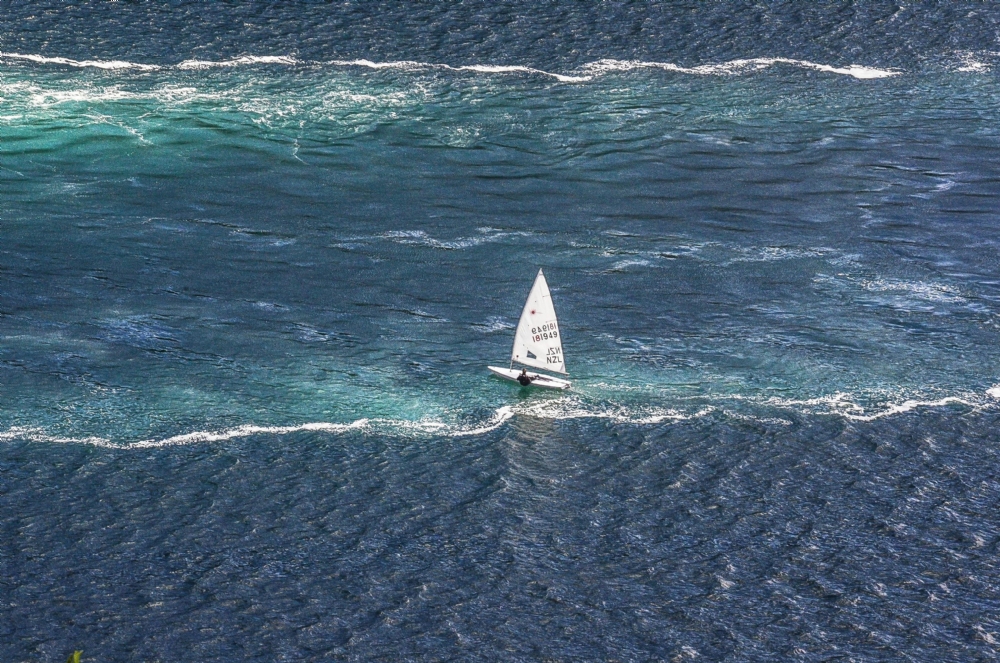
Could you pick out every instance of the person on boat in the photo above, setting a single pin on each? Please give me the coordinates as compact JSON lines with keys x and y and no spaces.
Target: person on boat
{"x":524,"y":378}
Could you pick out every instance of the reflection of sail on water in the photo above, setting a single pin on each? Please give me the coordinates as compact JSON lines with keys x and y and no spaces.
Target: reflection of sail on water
{"x":537,"y":342}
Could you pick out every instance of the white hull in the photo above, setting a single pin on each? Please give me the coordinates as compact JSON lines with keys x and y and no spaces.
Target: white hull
{"x":541,"y":380}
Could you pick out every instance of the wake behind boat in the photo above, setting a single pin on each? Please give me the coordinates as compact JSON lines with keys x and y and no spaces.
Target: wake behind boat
{"x":537,"y":343}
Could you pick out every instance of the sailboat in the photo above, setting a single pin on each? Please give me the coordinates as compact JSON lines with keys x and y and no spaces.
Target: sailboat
{"x":537,"y":342}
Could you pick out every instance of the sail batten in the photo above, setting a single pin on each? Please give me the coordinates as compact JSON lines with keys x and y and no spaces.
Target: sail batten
{"x":537,"y":341}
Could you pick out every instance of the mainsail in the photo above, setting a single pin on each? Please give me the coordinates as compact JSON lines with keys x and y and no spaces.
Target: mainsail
{"x":537,"y":342}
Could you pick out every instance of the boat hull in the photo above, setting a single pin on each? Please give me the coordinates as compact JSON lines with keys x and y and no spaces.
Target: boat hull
{"x":541,"y":380}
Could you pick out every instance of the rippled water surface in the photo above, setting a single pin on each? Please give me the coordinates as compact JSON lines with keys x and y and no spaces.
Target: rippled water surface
{"x":254,"y":260}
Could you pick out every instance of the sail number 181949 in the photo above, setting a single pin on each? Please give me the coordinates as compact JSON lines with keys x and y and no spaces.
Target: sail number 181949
{"x":544,"y":333}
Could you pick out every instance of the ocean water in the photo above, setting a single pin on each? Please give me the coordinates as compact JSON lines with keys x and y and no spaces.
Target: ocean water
{"x":255,"y":258}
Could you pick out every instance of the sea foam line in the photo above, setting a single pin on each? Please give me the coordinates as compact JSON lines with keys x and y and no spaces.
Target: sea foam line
{"x":736,"y":67}
{"x":411,"y":65}
{"x":840,"y":404}
{"x":585,"y":73}
{"x":574,"y":407}
{"x":563,"y":408}
{"x":909,"y":405}
{"x":96,"y":64}
{"x":499,"y":417}
{"x":240,"y":61}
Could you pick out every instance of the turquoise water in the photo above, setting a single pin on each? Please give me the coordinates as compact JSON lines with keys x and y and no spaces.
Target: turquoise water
{"x":194,"y":248}
{"x":251,"y":278}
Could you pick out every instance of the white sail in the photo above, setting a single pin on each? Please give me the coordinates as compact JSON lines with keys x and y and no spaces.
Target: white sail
{"x":537,"y":341}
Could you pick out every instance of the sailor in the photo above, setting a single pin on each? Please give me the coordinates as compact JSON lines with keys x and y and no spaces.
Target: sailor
{"x":524,"y":378}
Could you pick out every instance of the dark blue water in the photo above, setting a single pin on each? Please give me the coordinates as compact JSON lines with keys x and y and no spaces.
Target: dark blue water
{"x":255,"y":258}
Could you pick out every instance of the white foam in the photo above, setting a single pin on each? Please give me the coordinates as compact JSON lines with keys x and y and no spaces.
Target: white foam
{"x":246,"y":60}
{"x":564,"y":407}
{"x":406,"y":65}
{"x":491,"y":69}
{"x":96,"y":64}
{"x":573,"y":407}
{"x":975,"y":66}
{"x":907,"y":406}
{"x":972,"y":63}
{"x":421,"y":238}
{"x":87,"y":95}
{"x":906,"y":295}
{"x":246,"y":431}
{"x":776,"y":253}
{"x":735,"y":67}
{"x":498,"y":419}
{"x":921,"y":290}
{"x":585,"y":73}
{"x":561,"y":408}
{"x":623,"y":265}
{"x":557,"y":409}
{"x":411,"y":65}
{"x":367,"y":425}
{"x":848,"y":406}
{"x":38,"y":435}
